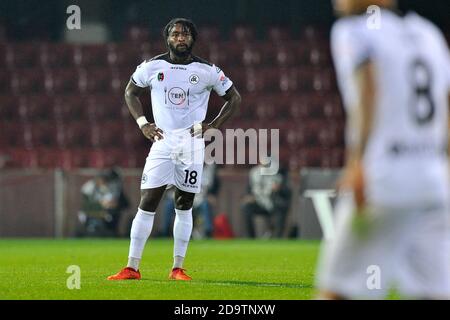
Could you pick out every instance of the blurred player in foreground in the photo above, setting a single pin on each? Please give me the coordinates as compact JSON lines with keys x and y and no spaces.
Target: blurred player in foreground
{"x":180,"y":85}
{"x":392,"y":216}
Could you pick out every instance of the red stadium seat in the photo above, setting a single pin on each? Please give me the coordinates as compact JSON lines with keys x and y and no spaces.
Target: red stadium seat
{"x":332,"y":158}
{"x":92,"y":55}
{"x":122,"y":55}
{"x":107,"y":134}
{"x":8,"y":108}
{"x":35,"y":107}
{"x":62,"y":81}
{"x":43,"y":134}
{"x":104,"y":107}
{"x":58,"y":55}
{"x":16,"y":134}
{"x":70,"y":108}
{"x":22,"y":158}
{"x":22,"y":55}
{"x":28,"y":81}
{"x":209,"y":33}
{"x":137,"y":34}
{"x":73,"y":134}
{"x":95,"y":80}
{"x":277,"y":34}
{"x":243,"y":34}
{"x":105,"y":158}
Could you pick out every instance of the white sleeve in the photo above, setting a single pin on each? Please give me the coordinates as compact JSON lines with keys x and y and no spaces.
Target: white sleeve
{"x":219,"y":81}
{"x":350,"y":47}
{"x":141,"y":77}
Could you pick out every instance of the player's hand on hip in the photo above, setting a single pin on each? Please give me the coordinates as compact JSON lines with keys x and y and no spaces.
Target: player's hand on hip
{"x":199,"y":129}
{"x":152,"y":132}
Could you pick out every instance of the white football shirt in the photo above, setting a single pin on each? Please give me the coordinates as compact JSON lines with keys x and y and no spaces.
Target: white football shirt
{"x":405,"y":160}
{"x":180,"y":92}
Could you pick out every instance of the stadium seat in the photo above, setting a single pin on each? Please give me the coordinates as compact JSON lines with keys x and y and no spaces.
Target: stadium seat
{"x":137,"y":34}
{"x":92,"y":55}
{"x":22,"y":158}
{"x":332,"y":158}
{"x":103,"y":107}
{"x":43,"y":134}
{"x":120,"y":55}
{"x":22,"y":56}
{"x":34,"y":107}
{"x":278,"y":34}
{"x":27,"y":81}
{"x":68,"y":108}
{"x":105,"y":158}
{"x":107,"y":134}
{"x":95,"y":80}
{"x":209,"y":33}
{"x":242,"y":34}
{"x":72,"y":134}
{"x":8,"y":108}
{"x":56,"y":55}
{"x":62,"y":81}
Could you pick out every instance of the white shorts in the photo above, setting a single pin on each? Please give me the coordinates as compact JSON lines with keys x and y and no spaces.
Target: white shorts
{"x":406,"y":249}
{"x":175,"y":160}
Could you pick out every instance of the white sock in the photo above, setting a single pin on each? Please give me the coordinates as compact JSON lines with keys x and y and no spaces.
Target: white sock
{"x":140,"y":231}
{"x":182,"y":229}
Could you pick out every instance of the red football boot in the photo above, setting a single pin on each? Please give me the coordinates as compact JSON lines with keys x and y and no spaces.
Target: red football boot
{"x":178,"y":274}
{"x":126,"y":274}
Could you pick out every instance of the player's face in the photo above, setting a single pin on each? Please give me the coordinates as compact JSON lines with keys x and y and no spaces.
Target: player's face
{"x":180,"y":40}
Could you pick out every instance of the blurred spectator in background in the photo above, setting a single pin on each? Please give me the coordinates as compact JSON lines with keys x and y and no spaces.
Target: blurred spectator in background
{"x":268,"y":196}
{"x":204,"y":203}
{"x":102,"y":205}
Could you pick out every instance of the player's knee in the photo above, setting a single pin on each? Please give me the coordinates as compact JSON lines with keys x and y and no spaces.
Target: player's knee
{"x":148,"y":202}
{"x":184,"y":202}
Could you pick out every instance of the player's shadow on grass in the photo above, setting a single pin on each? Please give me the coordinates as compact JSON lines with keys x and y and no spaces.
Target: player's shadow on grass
{"x":244,"y":283}
{"x":257,"y":284}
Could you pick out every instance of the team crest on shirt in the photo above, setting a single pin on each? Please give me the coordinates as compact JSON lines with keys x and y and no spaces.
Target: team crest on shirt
{"x":194,"y":79}
{"x":160,"y":76}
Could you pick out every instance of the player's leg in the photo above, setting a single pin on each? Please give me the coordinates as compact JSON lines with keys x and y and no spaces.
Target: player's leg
{"x":157,"y":174}
{"x":424,"y":265}
{"x":357,"y":261}
{"x":140,"y":231}
{"x":143,"y":224}
{"x":182,"y":230}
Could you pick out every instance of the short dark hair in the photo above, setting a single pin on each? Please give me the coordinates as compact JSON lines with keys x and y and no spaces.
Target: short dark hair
{"x":188,"y":24}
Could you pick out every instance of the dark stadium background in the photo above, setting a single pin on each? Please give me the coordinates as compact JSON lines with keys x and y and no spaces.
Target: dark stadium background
{"x":62,"y":113}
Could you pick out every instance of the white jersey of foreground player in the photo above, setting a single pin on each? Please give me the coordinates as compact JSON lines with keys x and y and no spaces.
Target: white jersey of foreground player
{"x":405,"y":160}
{"x":402,"y":238}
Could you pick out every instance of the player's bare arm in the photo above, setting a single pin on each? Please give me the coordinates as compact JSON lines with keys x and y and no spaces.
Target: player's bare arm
{"x":361,"y":120}
{"x":233,"y":100}
{"x":132,"y":93}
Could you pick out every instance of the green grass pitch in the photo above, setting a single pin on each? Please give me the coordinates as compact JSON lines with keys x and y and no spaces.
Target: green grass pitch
{"x":221,"y":269}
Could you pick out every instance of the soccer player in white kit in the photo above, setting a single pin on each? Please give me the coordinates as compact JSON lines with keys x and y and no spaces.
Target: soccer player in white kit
{"x":392,"y":214}
{"x":180,"y":85}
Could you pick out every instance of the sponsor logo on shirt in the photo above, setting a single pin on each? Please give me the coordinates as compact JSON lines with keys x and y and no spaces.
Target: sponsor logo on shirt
{"x":194,"y":79}
{"x":177,"y":96}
